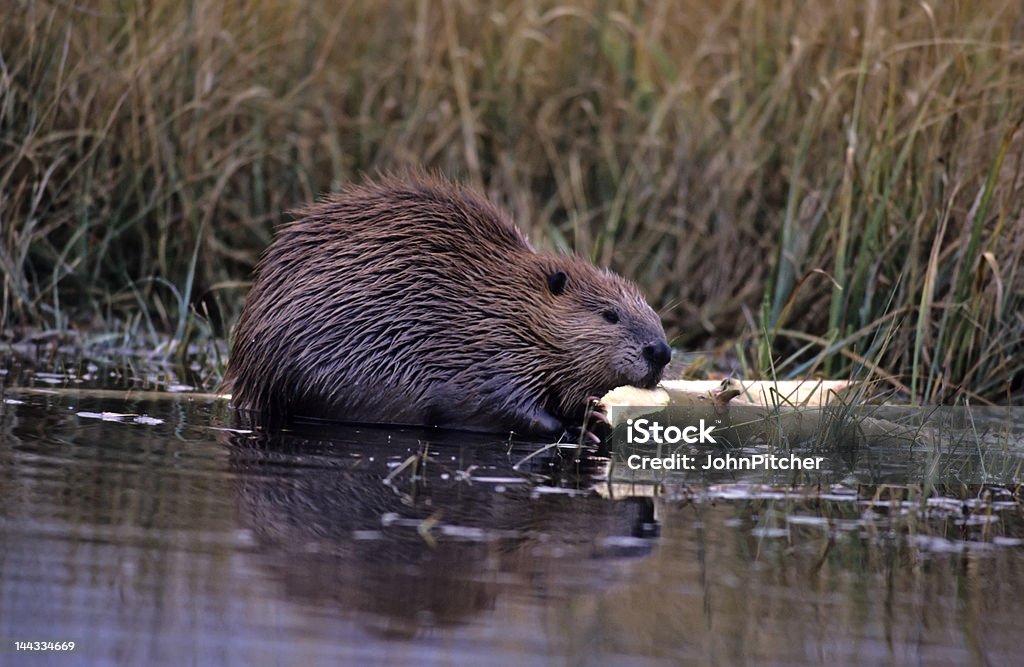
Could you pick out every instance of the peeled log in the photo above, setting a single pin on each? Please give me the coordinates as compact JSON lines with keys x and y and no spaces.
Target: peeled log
{"x":760,"y":411}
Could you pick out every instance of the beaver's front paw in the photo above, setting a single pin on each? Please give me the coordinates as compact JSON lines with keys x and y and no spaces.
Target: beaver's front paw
{"x":595,"y":426}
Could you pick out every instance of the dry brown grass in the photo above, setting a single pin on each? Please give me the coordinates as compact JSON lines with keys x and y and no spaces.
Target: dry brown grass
{"x":809,"y":183}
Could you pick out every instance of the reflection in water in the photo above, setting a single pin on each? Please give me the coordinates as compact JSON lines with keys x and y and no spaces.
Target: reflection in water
{"x":427,"y":545}
{"x":173,"y":539}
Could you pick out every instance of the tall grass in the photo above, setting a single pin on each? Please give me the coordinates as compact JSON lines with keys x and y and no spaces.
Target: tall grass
{"x":798,"y":178}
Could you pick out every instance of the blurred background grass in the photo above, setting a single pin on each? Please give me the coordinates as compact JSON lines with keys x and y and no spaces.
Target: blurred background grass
{"x":807,"y":188}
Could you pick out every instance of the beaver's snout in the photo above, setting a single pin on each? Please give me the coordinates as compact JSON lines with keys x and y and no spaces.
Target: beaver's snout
{"x":658,"y":354}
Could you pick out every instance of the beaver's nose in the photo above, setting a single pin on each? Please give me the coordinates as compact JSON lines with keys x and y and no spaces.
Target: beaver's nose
{"x":657,"y":353}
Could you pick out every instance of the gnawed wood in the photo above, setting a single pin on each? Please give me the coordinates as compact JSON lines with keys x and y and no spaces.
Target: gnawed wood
{"x":758,"y":411}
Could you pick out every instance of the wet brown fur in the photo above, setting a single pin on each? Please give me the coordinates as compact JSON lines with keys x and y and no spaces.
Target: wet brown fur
{"x":412,"y":300}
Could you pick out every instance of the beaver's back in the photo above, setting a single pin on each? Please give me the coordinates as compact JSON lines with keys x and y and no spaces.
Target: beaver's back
{"x":373,"y":300}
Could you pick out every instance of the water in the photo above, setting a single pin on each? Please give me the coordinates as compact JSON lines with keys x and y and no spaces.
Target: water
{"x":140,"y":524}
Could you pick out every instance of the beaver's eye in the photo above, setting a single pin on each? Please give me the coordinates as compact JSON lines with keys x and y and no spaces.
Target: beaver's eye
{"x":557,"y":281}
{"x":610,"y":316}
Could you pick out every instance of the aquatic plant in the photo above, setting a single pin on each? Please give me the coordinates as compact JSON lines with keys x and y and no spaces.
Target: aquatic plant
{"x":790,"y":183}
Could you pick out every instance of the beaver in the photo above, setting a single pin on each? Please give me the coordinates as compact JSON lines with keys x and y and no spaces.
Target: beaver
{"x":413,"y":300}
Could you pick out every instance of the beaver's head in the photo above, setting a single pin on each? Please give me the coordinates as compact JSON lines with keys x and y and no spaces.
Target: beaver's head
{"x":602,"y":330}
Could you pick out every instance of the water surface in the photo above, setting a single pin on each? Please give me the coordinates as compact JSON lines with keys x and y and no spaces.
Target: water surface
{"x":140,"y":523}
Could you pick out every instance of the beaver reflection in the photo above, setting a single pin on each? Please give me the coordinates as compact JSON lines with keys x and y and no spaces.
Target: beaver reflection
{"x":345,"y":529}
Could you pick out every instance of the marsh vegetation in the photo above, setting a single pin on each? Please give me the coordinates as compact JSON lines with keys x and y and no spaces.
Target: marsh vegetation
{"x":802,"y":190}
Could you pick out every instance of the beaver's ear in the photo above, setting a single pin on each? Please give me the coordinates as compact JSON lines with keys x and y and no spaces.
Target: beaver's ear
{"x":556,"y":282}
